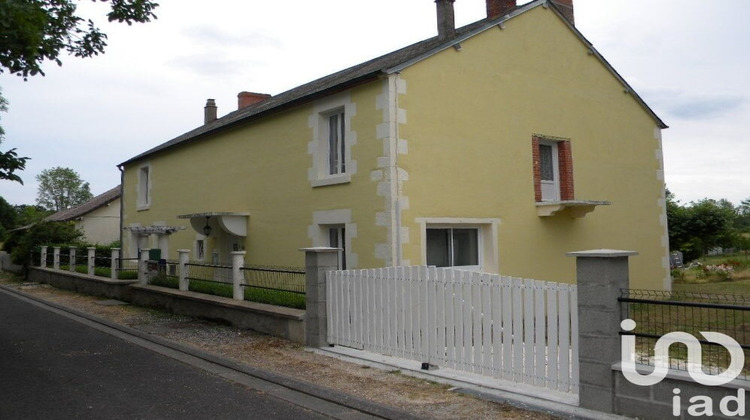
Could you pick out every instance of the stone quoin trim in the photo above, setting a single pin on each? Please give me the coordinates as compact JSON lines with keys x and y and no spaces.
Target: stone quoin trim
{"x":388,"y":175}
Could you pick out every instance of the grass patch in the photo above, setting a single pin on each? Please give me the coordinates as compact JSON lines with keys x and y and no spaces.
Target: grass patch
{"x":707,"y":286}
{"x":715,"y":269}
{"x":735,"y":287}
{"x":252,"y":294}
{"x":105,"y":272}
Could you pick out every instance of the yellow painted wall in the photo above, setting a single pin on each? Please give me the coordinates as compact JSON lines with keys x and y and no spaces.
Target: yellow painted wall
{"x":262,"y":169}
{"x":470,"y":118}
{"x":101,"y":226}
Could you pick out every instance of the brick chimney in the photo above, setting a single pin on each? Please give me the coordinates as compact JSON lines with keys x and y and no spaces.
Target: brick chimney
{"x":209,"y":111}
{"x":446,"y":21}
{"x":245,"y":99}
{"x":497,"y":8}
{"x":566,"y":8}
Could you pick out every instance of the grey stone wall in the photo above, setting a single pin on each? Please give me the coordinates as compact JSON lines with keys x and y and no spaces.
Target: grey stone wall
{"x":657,"y":401}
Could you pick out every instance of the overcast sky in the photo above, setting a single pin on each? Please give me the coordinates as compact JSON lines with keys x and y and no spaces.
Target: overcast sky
{"x":687,"y":58}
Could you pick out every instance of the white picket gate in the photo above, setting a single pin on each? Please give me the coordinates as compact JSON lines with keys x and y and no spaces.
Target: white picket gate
{"x":525,"y":331}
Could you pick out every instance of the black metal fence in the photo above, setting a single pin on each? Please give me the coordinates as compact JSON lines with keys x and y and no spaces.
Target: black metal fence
{"x":657,"y":313}
{"x":283,"y":286}
{"x":127,"y":268}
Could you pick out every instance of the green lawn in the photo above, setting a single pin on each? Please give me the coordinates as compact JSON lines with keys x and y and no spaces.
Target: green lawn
{"x":252,"y":294}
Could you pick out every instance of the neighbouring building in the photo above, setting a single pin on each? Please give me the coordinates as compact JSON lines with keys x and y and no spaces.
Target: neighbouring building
{"x":98,"y":218}
{"x":498,"y":146}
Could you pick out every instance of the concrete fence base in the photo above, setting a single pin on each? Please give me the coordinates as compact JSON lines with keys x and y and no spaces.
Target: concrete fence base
{"x":278,"y":321}
{"x":83,"y":283}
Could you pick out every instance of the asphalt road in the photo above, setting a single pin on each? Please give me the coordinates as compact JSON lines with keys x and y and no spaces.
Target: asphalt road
{"x":53,"y":367}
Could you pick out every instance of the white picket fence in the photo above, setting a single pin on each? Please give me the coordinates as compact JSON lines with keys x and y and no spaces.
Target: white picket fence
{"x":525,"y":331}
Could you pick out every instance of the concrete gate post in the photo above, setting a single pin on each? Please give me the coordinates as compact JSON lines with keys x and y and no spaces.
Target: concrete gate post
{"x":238,"y":276}
{"x":72,"y":266}
{"x":43,"y":260}
{"x":601,"y":274}
{"x":113,"y":266}
{"x":318,"y":261}
{"x":56,"y":257}
{"x":143,"y":266}
{"x":183,"y":257}
{"x":91,"y":260}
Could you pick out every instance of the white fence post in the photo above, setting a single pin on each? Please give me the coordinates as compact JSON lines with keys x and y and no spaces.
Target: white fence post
{"x":184,"y":256}
{"x":43,"y":260}
{"x":56,"y":257}
{"x":72,"y":265}
{"x":114,"y":263}
{"x":143,"y":266}
{"x":238,"y":276}
{"x":91,"y":260}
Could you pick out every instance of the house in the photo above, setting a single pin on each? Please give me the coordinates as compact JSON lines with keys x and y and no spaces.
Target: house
{"x":98,"y":218}
{"x":497,"y":146}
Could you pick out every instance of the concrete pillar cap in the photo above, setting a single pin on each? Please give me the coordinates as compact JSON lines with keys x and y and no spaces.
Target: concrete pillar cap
{"x":320,"y":249}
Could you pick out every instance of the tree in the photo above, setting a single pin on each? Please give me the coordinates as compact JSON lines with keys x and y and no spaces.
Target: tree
{"x":677,"y":217}
{"x":696,"y":228}
{"x":35,"y":31}
{"x":29,"y":214}
{"x":10,"y":162}
{"x":43,"y":233}
{"x":8,"y":218}
{"x":61,"y":188}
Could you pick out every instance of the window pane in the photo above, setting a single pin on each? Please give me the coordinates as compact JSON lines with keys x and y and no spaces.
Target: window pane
{"x":438,"y":247}
{"x":337,"y":239}
{"x":333,"y":238}
{"x":342,"y":144}
{"x":333,"y":144}
{"x":465,"y":247}
{"x":545,"y":162}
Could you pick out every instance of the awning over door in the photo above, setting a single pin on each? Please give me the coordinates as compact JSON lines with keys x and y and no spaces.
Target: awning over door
{"x":231,"y":223}
{"x":154,"y":230}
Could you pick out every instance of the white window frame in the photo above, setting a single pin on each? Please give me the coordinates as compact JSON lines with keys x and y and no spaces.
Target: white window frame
{"x":336,"y":138}
{"x":320,"y":233}
{"x":143,"y":189}
{"x":200,"y":251}
{"x":487,"y":238}
{"x":322,"y":173}
{"x":550,"y":188}
{"x":337,"y":239}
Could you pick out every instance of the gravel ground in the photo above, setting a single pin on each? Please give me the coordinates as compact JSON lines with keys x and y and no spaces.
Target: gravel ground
{"x":420,"y":397}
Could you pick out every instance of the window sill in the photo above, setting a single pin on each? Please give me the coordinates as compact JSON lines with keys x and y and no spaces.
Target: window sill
{"x":574,"y":208}
{"x":332,"y":180}
{"x":143,"y":208}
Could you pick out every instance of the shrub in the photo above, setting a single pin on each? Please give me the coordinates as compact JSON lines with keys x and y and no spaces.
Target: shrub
{"x":43,"y":233}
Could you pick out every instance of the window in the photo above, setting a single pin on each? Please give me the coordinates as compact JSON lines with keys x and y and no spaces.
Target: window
{"x":200,"y":249}
{"x":553,"y":169}
{"x":548,"y":167}
{"x":337,"y":239}
{"x":332,"y":140}
{"x":144,"y":188}
{"x":453,"y":247}
{"x":336,"y":144}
